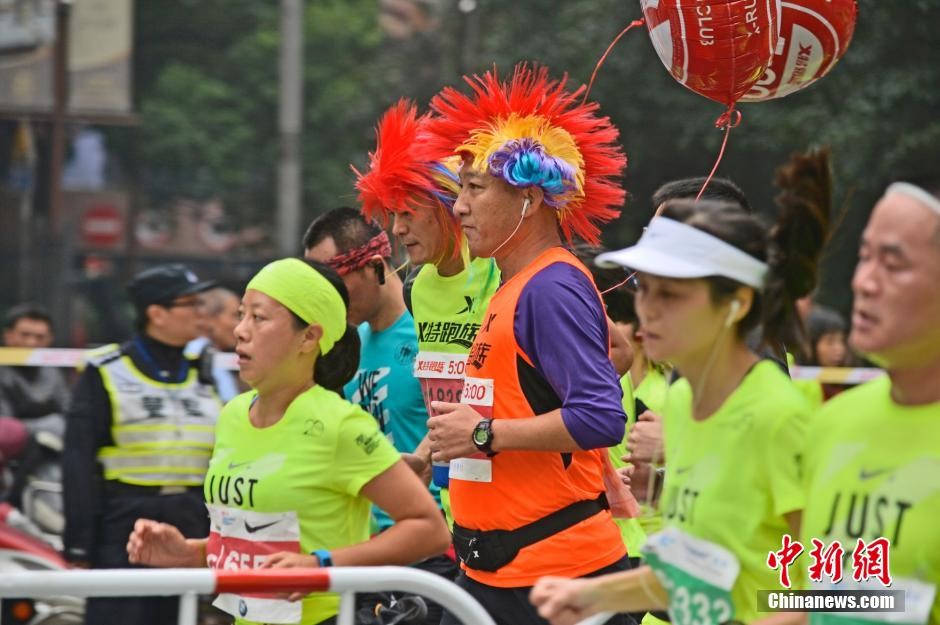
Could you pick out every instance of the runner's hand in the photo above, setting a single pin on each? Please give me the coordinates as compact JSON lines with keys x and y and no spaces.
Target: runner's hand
{"x":159,"y":544}
{"x":564,"y":601}
{"x":645,"y":442}
{"x":451,"y":431}
{"x":291,"y":560}
{"x":626,"y":474}
{"x":419,"y":465}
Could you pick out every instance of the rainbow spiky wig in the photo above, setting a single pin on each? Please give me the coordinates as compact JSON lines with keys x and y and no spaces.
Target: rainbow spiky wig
{"x":399,"y":181}
{"x":531,"y":132}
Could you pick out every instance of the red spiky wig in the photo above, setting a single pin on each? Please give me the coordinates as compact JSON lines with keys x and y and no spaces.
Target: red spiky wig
{"x":530,"y":131}
{"x":399,"y":181}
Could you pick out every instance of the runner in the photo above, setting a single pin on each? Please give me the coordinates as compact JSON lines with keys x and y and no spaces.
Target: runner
{"x":384,"y":384}
{"x":734,"y":425}
{"x":449,"y":291}
{"x":541,"y":401}
{"x":295,"y":466}
{"x":873,"y":465}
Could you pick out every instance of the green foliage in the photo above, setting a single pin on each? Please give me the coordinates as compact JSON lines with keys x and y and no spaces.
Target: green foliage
{"x":207,"y":84}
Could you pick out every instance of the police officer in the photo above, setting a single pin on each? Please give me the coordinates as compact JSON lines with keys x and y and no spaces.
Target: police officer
{"x":139,"y":435}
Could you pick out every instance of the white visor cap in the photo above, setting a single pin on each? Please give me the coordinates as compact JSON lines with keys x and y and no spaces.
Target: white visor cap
{"x":672,"y":249}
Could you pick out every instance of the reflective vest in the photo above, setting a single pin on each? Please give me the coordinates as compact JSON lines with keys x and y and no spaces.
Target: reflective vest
{"x":163,"y":432}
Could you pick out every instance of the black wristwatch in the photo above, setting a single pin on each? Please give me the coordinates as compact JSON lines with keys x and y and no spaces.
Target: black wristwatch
{"x":483,"y":437}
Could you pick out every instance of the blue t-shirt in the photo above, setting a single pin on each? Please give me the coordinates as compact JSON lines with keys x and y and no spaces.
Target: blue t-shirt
{"x":386,"y":388}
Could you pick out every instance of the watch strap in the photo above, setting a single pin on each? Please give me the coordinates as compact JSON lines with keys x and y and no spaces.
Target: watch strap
{"x":485,"y":426}
{"x":323,"y":556}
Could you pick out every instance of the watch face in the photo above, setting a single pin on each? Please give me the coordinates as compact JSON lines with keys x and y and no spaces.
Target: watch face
{"x":481,"y":435}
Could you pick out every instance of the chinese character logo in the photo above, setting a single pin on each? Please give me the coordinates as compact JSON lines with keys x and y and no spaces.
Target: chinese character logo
{"x":783,"y":558}
{"x":826,"y":561}
{"x":871,"y":560}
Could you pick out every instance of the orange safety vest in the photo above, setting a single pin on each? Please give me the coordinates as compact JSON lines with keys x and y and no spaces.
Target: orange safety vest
{"x":529,"y":485}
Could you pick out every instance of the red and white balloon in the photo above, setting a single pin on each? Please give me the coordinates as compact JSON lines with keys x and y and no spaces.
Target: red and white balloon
{"x":717,"y":48}
{"x":814,"y":35}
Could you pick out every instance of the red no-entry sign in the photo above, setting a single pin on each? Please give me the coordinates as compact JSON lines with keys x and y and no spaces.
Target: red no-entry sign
{"x":102,"y":225}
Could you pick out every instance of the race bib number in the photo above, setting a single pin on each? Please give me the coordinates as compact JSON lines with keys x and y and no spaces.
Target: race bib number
{"x":919,"y":597}
{"x":697,"y":574}
{"x":243,"y":539}
{"x":441,"y":377}
{"x":478,"y":393}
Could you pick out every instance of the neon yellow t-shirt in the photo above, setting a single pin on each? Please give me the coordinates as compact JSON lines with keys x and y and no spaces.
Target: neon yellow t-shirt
{"x":630,"y":529}
{"x":873,"y":470}
{"x":812,"y":390}
{"x":292,"y":486}
{"x":652,"y":392}
{"x":731,"y":477}
{"x":448,"y":312}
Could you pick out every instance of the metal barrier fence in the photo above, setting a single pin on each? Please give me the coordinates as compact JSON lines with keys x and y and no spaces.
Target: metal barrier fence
{"x":190,"y":583}
{"x":74,"y":357}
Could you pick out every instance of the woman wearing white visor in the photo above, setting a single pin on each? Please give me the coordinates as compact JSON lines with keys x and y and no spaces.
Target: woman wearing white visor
{"x":734,"y":425}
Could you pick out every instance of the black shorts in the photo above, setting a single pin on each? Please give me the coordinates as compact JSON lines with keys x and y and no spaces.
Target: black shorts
{"x":511,"y":606}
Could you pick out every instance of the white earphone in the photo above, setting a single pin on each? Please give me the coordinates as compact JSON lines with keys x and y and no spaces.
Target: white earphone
{"x":525,"y":205}
{"x":733,"y":312}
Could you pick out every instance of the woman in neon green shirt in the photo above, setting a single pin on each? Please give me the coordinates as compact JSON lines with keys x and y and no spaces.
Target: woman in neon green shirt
{"x":296,"y":467}
{"x":734,"y":425}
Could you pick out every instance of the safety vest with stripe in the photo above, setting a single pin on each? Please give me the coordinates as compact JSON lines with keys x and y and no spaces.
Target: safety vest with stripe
{"x":163,"y":432}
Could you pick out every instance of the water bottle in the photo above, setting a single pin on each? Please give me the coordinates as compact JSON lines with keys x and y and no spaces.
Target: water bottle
{"x":440,"y":473}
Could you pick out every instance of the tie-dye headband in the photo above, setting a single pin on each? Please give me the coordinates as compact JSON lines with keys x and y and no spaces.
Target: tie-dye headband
{"x":359,"y":257}
{"x":531,"y":132}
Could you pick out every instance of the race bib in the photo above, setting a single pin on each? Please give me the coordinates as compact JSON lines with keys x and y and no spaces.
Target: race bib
{"x":441,"y":377}
{"x":243,"y":539}
{"x":697,"y":574}
{"x":478,"y":393}
{"x":918,"y":601}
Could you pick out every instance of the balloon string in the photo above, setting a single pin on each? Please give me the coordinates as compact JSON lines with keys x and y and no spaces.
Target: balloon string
{"x":619,"y":284}
{"x":728,"y":120}
{"x":603,"y":58}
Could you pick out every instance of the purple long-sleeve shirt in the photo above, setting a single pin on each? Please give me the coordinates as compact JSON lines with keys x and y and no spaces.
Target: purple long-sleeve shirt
{"x":561,"y":326}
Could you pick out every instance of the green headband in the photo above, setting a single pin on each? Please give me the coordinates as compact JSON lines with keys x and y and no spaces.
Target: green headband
{"x":302,"y":290}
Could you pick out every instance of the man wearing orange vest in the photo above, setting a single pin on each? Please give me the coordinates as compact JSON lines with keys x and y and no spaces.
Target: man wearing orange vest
{"x":541,"y":401}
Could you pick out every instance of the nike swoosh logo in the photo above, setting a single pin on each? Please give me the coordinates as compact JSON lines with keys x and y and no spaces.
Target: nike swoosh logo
{"x":234,"y":465}
{"x":257,"y":528}
{"x":867,"y":475}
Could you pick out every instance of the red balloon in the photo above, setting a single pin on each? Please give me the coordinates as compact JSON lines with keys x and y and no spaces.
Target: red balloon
{"x":814,"y":34}
{"x":717,"y":48}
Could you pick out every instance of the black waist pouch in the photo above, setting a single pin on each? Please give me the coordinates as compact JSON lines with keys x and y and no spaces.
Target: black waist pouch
{"x":492,"y":550}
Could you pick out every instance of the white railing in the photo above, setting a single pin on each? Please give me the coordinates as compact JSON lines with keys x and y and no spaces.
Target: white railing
{"x":189,"y":583}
